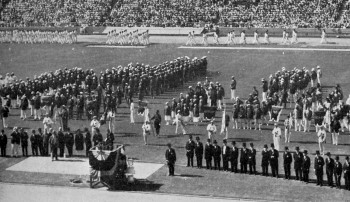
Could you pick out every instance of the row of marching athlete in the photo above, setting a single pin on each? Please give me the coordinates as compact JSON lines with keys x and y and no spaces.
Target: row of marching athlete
{"x":287,"y":37}
{"x":125,"y":37}
{"x":38,"y":36}
{"x":245,"y":157}
{"x":82,"y":92}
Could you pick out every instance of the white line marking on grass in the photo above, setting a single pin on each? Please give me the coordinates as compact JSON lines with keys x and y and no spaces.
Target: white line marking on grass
{"x":263,"y":48}
{"x":106,"y":46}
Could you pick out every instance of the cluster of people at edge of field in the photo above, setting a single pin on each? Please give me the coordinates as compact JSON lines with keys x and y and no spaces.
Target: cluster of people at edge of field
{"x":31,"y":36}
{"x":57,"y":143}
{"x":246,"y":157}
{"x":287,"y":38}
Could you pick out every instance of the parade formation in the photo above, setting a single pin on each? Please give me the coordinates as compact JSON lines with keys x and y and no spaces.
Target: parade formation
{"x":31,"y":36}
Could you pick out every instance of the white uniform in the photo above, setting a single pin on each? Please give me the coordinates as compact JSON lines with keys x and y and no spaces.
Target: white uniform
{"x":256,"y":38}
{"x":323,"y":37}
{"x":132,"y":112}
{"x":276,"y":132}
{"x":211,"y":128}
{"x":243,"y":39}
{"x":267,"y":39}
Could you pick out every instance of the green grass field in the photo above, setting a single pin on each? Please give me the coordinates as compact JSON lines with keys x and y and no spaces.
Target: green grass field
{"x":248,"y":66}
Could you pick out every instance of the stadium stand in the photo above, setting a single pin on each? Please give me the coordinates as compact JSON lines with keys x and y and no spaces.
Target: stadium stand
{"x":177,"y":13}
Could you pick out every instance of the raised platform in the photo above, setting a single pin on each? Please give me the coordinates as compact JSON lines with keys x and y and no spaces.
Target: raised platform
{"x":74,"y":166}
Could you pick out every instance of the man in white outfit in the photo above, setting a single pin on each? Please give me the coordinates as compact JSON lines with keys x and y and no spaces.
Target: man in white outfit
{"x":132,"y":111}
{"x":276,"y":132}
{"x":211,"y":128}
{"x":94,"y":124}
{"x":178,"y":121}
{"x":321,"y":139}
{"x":47,"y":123}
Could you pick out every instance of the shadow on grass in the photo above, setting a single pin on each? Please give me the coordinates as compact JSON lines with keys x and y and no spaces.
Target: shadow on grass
{"x":188,"y":175}
{"x":140,"y":185}
{"x":304,"y":142}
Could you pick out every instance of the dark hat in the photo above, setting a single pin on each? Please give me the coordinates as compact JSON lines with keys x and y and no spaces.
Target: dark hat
{"x":208,"y":140}
{"x":243,"y":144}
{"x":215,"y":142}
{"x":297,"y":148}
{"x":317,"y":152}
{"x":347,"y":158}
{"x":233,"y":142}
{"x":190,"y":136}
{"x":286,"y":148}
{"x":197,"y":138}
{"x":265,"y":146}
{"x":169,"y":144}
{"x":305,"y":151}
{"x":337,"y":158}
{"x":272,"y":145}
{"x":251,"y":144}
{"x":328,"y":153}
{"x":224,"y":141}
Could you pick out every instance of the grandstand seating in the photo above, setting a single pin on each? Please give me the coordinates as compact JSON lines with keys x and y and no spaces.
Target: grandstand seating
{"x":175,"y":13}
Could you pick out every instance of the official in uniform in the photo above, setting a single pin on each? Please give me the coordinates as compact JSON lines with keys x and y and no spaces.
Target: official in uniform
{"x":244,"y":158}
{"x":234,"y":157}
{"x":318,"y":167}
{"x":170,"y":157}
{"x":265,"y":158}
{"x":298,"y":162}
{"x":346,"y":169}
{"x":216,"y":155}
{"x":329,"y":161}
{"x":54,"y":145}
{"x":157,"y":120}
{"x":225,"y":155}
{"x":338,"y":169}
{"x":306,"y":166}
{"x":274,"y":161}
{"x":3,"y":143}
{"x":287,"y":161}
{"x":190,"y":146}
{"x":252,"y":159}
{"x":198,"y":150}
{"x":208,"y":154}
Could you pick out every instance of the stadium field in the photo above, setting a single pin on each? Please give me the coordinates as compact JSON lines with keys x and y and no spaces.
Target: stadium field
{"x":248,"y":66}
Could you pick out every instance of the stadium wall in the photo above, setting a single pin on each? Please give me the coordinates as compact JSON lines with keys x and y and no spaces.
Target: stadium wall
{"x":176,"y":31}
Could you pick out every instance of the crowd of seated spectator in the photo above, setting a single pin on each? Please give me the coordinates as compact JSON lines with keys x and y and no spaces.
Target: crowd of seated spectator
{"x":176,"y":13}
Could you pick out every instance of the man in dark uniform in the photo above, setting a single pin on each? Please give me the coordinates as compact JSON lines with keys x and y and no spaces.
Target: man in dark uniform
{"x":216,"y":155}
{"x":69,"y":142}
{"x":170,"y":157}
{"x":3,"y":143}
{"x":252,"y":159}
{"x":244,"y":158}
{"x":34,"y":143}
{"x":157,"y":120}
{"x":233,"y":88}
{"x":234,"y":157}
{"x":199,"y":152}
{"x":61,"y":141}
{"x":190,"y":145}
{"x":225,"y":155}
{"x":305,"y":167}
{"x":346,"y":169}
{"x":208,"y":154}
{"x":318,"y":167}
{"x":40,"y":141}
{"x":265,"y":157}
{"x":298,"y":161}
{"x":24,"y":142}
{"x":287,"y":161}
{"x":329,"y":169}
{"x":274,"y":160}
{"x":338,"y":169}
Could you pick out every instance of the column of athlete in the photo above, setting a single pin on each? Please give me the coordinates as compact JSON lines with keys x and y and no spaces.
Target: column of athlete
{"x":69,"y":92}
{"x":127,"y":38}
{"x":31,"y":36}
{"x":287,"y":37}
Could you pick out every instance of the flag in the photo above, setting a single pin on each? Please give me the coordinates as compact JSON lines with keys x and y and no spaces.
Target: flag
{"x":223,"y":121}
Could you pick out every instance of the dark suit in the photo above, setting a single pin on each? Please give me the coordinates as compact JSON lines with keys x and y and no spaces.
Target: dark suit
{"x":225,"y":157}
{"x":244,"y":159}
{"x":3,"y":143}
{"x":190,"y":145}
{"x":305,"y":167}
{"x":198,"y":150}
{"x":338,"y":169}
{"x":274,"y":162}
{"x":170,"y":157}
{"x":298,"y":162}
{"x":329,"y":171}
{"x":318,"y":166}
{"x":252,"y":161}
{"x":265,"y":162}
{"x":346,"y":169}
{"x":234,"y":159}
{"x":217,"y":157}
{"x":208,"y":155}
{"x":287,"y":161}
